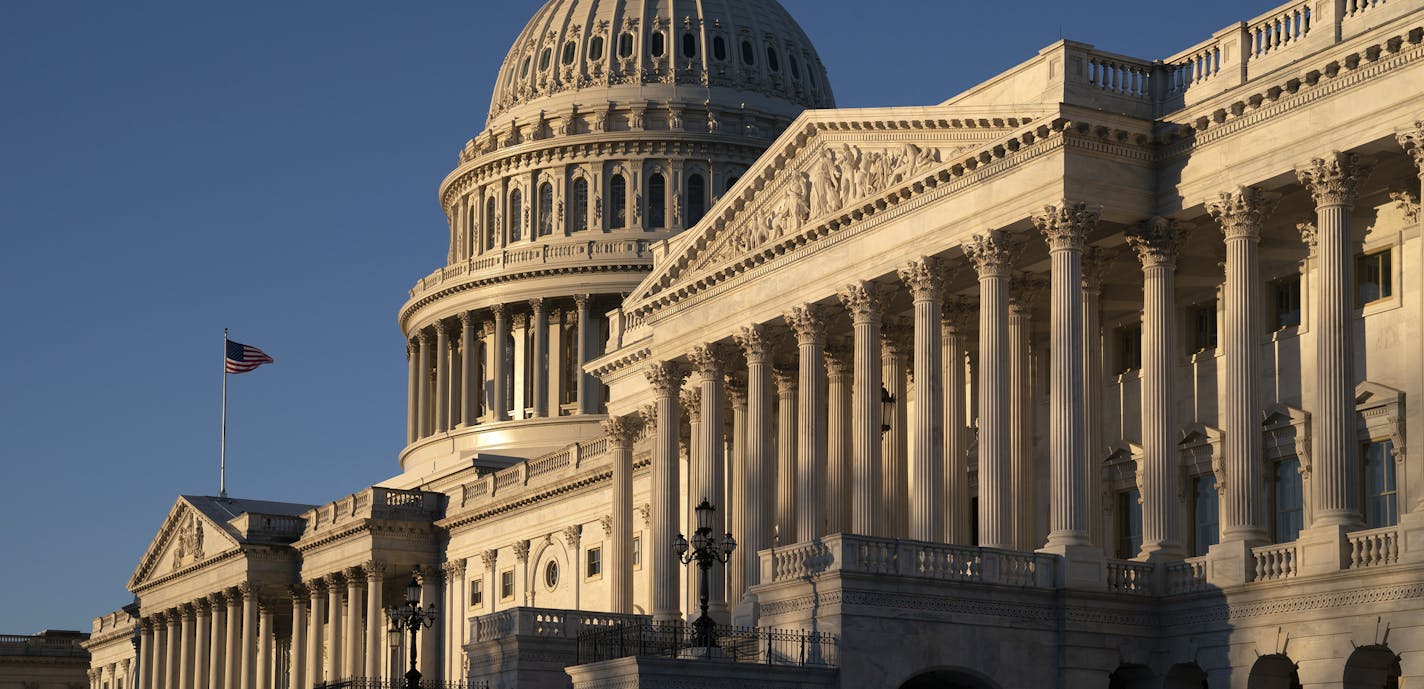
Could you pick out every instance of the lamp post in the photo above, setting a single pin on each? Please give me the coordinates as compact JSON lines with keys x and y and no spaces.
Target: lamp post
{"x":706,"y":549}
{"x":411,"y":617}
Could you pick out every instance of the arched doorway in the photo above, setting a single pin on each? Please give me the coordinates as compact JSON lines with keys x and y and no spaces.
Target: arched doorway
{"x":1130,"y":677}
{"x":949,"y":679}
{"x":1372,"y":667}
{"x":1185,"y":676}
{"x":1275,"y":671}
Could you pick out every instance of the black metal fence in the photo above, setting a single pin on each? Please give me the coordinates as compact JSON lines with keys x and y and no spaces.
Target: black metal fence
{"x":737,"y":644}
{"x":397,"y":683}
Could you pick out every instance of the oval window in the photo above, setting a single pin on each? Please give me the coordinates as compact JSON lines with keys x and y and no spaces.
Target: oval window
{"x":551,"y":574}
{"x":748,"y":53}
{"x":795,"y":68}
{"x":719,"y":48}
{"x":772,"y":60}
{"x":544,"y":59}
{"x":689,"y":45}
{"x":625,"y":45}
{"x":595,"y":48}
{"x":658,"y":41}
{"x":570,"y":50}
{"x":524,"y":71}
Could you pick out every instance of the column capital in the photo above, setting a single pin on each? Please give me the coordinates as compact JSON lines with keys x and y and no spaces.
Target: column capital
{"x":334,"y":581}
{"x":808,"y":323}
{"x":898,"y":336}
{"x":708,"y":361}
{"x":247,"y":590}
{"x":573,"y":535}
{"x":489,"y":559}
{"x":521,"y":550}
{"x":1066,"y":225}
{"x":1412,"y":141}
{"x":427,"y":573}
{"x":924,"y":277}
{"x":839,"y":360}
{"x":1408,"y":203}
{"x":1157,"y":241}
{"x":202,"y":607}
{"x":316,"y":587}
{"x":537,"y":305}
{"x":958,"y":314}
{"x":1309,"y":236}
{"x":519,"y":320}
{"x":217,"y":599}
{"x":498,"y":310}
{"x":1096,"y":262}
{"x":621,"y":429}
{"x":186,"y":610}
{"x":1333,"y":180}
{"x":467,"y":319}
{"x":863,"y":300}
{"x":649,"y":414}
{"x":411,"y":347}
{"x":665,"y":377}
{"x":785,"y":380}
{"x":1024,"y":289}
{"x":424,"y":337}
{"x":300,"y":593}
{"x":691,"y":402}
{"x":755,"y":343}
{"x":991,"y":253}
{"x":581,"y":300}
{"x":737,"y":388}
{"x":1241,"y":213}
{"x":353,"y":576}
{"x":374,"y":569}
{"x":454,"y":569}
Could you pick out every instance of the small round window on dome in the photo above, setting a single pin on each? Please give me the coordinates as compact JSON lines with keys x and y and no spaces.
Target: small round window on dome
{"x":659,"y":41}
{"x":772,"y":60}
{"x":625,"y":45}
{"x":748,"y":53}
{"x":719,"y":48}
{"x":551,"y":575}
{"x":544,"y":58}
{"x":570,"y":52}
{"x":689,"y":45}
{"x":595,"y":48}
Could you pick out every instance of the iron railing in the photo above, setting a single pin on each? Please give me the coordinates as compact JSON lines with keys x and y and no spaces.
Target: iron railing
{"x":737,"y":644}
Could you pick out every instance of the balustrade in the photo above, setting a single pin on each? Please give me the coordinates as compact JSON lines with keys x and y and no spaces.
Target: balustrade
{"x":1374,"y":547}
{"x":1127,"y":576}
{"x":1274,"y":562}
{"x":1186,"y":576}
{"x":1278,"y":29}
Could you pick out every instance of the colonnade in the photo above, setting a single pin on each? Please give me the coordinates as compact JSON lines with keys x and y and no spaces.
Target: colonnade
{"x":840,"y":464}
{"x":471,"y":369}
{"x":224,"y":640}
{"x":116,"y":675}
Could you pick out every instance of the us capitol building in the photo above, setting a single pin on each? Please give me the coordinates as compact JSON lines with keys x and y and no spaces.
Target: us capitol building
{"x":1102,"y":373}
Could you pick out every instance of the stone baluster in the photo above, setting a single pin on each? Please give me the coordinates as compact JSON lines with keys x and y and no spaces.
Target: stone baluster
{"x":752,"y":492}
{"x":202,"y":643}
{"x":1095,"y":265}
{"x":620,"y":430}
{"x":1240,"y":214}
{"x":353,"y":634}
{"x":316,"y":635}
{"x":1023,"y":474}
{"x":954,"y":339}
{"x":499,"y":395}
{"x":469,"y":371}
{"x":990,"y":254}
{"x":412,"y":405}
{"x":924,"y":277}
{"x":336,"y":644}
{"x":1156,"y":243}
{"x":809,"y":324}
{"x":862,"y":300}
{"x":375,"y":618}
{"x":232,"y":653}
{"x":666,"y":379}
{"x":587,"y":389}
{"x":707,"y":362}
{"x":540,"y":325}
{"x":785,"y":527}
{"x":247,"y":678}
{"x":839,"y":467}
{"x":423,"y":394}
{"x":442,"y":378}
{"x":297,"y":651}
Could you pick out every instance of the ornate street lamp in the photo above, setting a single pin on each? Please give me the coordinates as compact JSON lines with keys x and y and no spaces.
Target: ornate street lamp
{"x":887,"y":409}
{"x":411,"y":617}
{"x":706,"y":549}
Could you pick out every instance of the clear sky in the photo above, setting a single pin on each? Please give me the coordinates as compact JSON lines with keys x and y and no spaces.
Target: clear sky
{"x":168,"y":169}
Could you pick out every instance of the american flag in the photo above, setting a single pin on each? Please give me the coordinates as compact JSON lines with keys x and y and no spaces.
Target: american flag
{"x":242,"y":358}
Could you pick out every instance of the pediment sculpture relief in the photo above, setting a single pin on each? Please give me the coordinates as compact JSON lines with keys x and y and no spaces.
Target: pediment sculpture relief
{"x":188,"y":541}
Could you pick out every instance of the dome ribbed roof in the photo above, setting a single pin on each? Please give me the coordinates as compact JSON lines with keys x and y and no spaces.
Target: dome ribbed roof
{"x":692,"y":51}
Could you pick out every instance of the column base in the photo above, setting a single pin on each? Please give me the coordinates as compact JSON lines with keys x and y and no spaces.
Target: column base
{"x":1161,"y":552}
{"x":1082,"y":567}
{"x":1323,"y":549}
{"x":1230,"y":563}
{"x":1411,"y":537}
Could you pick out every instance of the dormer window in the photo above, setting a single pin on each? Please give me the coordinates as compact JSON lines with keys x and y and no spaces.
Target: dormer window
{"x":658,"y":44}
{"x":570,"y":52}
{"x":772,"y":60}
{"x":595,"y":49}
{"x":544,"y":58}
{"x":748,"y":54}
{"x":625,"y":45}
{"x":689,"y":45}
{"x":719,"y":49}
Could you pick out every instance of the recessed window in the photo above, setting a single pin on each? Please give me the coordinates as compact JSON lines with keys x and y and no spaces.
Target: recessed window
{"x":1374,"y":279}
{"x":546,"y":209}
{"x":516,"y":213}
{"x":625,"y":45}
{"x":1129,"y":348}
{"x":579,"y":214}
{"x":1202,"y":320}
{"x":1206,"y":514}
{"x":1285,"y":294}
{"x":617,"y":203}
{"x":524,"y":69}
{"x":551,"y":575}
{"x":595,"y":48}
{"x":1129,"y":524}
{"x":1289,"y":499}
{"x":772,"y":60}
{"x":477,"y":593}
{"x":689,"y":45}
{"x":544,"y":58}
{"x":748,"y":53}
{"x":657,"y":201}
{"x":795,"y":67}
{"x":696,"y":198}
{"x":570,"y":52}
{"x":719,"y":48}
{"x":637,"y":551}
{"x":595,"y":562}
{"x":506,"y":584}
{"x":1381,"y":491}
{"x":491,"y":227}
{"x":658,"y":46}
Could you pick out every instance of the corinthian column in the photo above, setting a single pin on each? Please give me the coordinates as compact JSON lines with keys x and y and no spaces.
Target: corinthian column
{"x":217,"y":641}
{"x":232,"y":653}
{"x":412,"y":404}
{"x":1240,"y":214}
{"x":499,"y":394}
{"x":1095,"y":264}
{"x":336,"y":644}
{"x":838,"y":441}
{"x":423,"y":395}
{"x":297,"y":651}
{"x":202,"y":643}
{"x":990,"y":254}
{"x":895,"y":344}
{"x":1332,"y":181}
{"x":1412,"y":140}
{"x":785,"y":456}
{"x":862,"y":299}
{"x":1156,"y":244}
{"x":247,"y":678}
{"x":316,"y":636}
{"x":711,"y":456}
{"x":266,"y":640}
{"x":185,"y":646}
{"x":619,"y":430}
{"x":953,"y":328}
{"x":1023,"y":474}
{"x":585,"y":389}
{"x":541,"y":357}
{"x":752,"y":492}
{"x":375,"y":577}
{"x":145,"y":654}
{"x":469,"y":368}
{"x":924,"y":277}
{"x":665,"y":379}
{"x":353,"y":632}
{"x":429,"y":579}
{"x":809,"y":324}
{"x":442,"y":378}
{"x":736,"y":478}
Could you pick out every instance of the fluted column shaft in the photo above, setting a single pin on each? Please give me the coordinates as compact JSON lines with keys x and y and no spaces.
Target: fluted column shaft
{"x":862,"y":300}
{"x":375,"y":578}
{"x":248,"y":669}
{"x":586,"y":390}
{"x":785,"y":457}
{"x":265,"y":642}
{"x":709,"y":483}
{"x":217,"y":642}
{"x":429,"y":579}
{"x":756,"y":479}
{"x":541,"y":358}
{"x":163,"y":649}
{"x":202,"y":645}
{"x":1335,"y":477}
{"x":1242,"y":495}
{"x":666,"y":380}
{"x":1156,"y":244}
{"x":1095,"y":264}
{"x":298,"y":653}
{"x":839,"y":454}
{"x":500,"y":393}
{"x":956,"y":457}
{"x":620,"y":443}
{"x":316,"y":635}
{"x":925,"y":281}
{"x":809,"y":325}
{"x":469,"y":372}
{"x":894,"y":445}
{"x":1412,"y":141}
{"x":412,"y":399}
{"x":442,"y":378}
{"x":336,"y":645}
{"x":353,"y":633}
{"x":233,"y":658}
{"x":185,"y":647}
{"x":990,"y":255}
{"x":1025,"y":507}
{"x":423,"y":394}
{"x":737,"y":516}
{"x":146,"y":654}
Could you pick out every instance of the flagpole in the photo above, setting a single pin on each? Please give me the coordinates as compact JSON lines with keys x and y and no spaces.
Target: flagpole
{"x":222,"y":451}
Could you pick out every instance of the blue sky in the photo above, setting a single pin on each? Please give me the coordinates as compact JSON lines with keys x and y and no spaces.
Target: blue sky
{"x":168,"y":169}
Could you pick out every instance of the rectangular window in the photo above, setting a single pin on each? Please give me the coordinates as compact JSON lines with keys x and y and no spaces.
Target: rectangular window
{"x":1381,"y":494}
{"x":1129,"y":347}
{"x":1374,"y":277}
{"x":1206,"y":515}
{"x":506,"y":584}
{"x":1203,"y":324}
{"x":637,"y":551}
{"x":477,"y":593}
{"x":1285,"y":294}
{"x":1129,"y":524}
{"x":595,"y":562}
{"x":1290,"y":500}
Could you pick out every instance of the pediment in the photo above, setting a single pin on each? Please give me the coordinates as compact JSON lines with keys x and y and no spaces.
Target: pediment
{"x":1283,"y":415}
{"x":187,"y":538}
{"x":1199,"y":434}
{"x":1369,"y":395}
{"x":1123,"y":451}
{"x":829,"y":164}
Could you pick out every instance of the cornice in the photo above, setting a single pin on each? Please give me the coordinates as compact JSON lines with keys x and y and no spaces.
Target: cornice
{"x":623,"y":361}
{"x":569,"y":269}
{"x":593,"y":477}
{"x":242,"y":550}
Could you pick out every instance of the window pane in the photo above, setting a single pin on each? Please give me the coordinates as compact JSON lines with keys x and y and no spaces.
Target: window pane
{"x":1287,"y":294}
{"x":1206,"y":515}
{"x":570,"y":50}
{"x":546,"y":210}
{"x":1129,"y":524}
{"x":689,"y":45}
{"x":625,"y":45}
{"x":658,"y":47}
{"x":1381,"y":495}
{"x":696,"y":199}
{"x":491,"y":227}
{"x":617,"y":203}
{"x":719,"y":48}
{"x":657,"y":202}
{"x":772,"y":60}
{"x":1373,"y":277}
{"x":580,"y":209}
{"x":1290,"y":514}
{"x":516,"y":213}
{"x":595,"y":48}
{"x":748,"y":53}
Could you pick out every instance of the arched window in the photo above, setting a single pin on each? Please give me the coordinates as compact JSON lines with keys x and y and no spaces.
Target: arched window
{"x":719,"y":48}
{"x":625,"y":45}
{"x":748,"y":53}
{"x":546,"y":209}
{"x":696,"y":199}
{"x":579,"y":213}
{"x":657,"y":201}
{"x":689,"y":45}
{"x":491,"y":227}
{"x":570,"y":52}
{"x":595,"y":48}
{"x":516,"y":211}
{"x":659,"y":44}
{"x":617,"y":203}
{"x":772,"y":60}
{"x":1290,"y":500}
